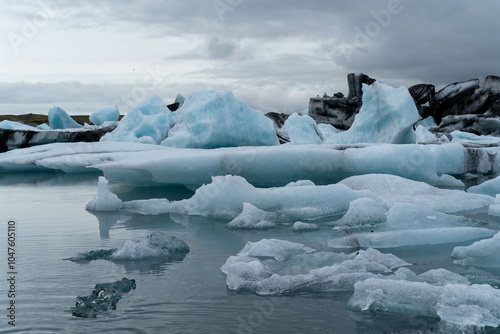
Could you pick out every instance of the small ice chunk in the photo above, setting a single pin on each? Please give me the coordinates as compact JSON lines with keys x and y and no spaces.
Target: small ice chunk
{"x":302,"y":130}
{"x":363,"y":211}
{"x":252,"y":218}
{"x":104,"y":200}
{"x":154,"y":206}
{"x":44,"y":127}
{"x":157,"y":244}
{"x":327,"y":130}
{"x":425,"y":136}
{"x":274,"y":248}
{"x":10,"y":125}
{"x":483,"y":253}
{"x":304,"y":227}
{"x":490,"y":187}
{"x":442,"y":277}
{"x":59,"y":119}
{"x":494,"y":209}
{"x":111,"y":114}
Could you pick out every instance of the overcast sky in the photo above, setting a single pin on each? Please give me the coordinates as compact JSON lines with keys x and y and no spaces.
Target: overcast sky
{"x":83,"y":55}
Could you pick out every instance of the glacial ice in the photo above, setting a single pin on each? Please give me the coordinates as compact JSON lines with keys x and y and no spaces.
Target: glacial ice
{"x":110,"y":114}
{"x":252,"y":218}
{"x":327,"y":130}
{"x":425,"y":136}
{"x":208,"y":119}
{"x":304,"y":227}
{"x":483,"y":253}
{"x":225,"y":196}
{"x":490,"y":187}
{"x":273,"y":266}
{"x":494,"y":209}
{"x":302,"y":130}
{"x":10,"y":125}
{"x":147,"y":123}
{"x":387,"y":116}
{"x":104,"y":200}
{"x":460,"y":136}
{"x":59,"y":119}
{"x":363,"y":211}
{"x":459,"y":304}
{"x":391,"y":189}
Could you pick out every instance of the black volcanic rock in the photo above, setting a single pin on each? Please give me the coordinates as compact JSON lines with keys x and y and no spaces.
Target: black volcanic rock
{"x":339,"y":112}
{"x":355,"y":82}
{"x":422,"y":93}
{"x":338,"y":95}
{"x":279,"y":120}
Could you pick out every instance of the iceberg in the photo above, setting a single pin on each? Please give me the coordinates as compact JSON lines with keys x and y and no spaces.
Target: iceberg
{"x":208,"y":119}
{"x":327,"y":130}
{"x":491,"y":187}
{"x":59,"y":119}
{"x":425,"y":136}
{"x":104,"y":200}
{"x":302,"y":130}
{"x":304,"y":227}
{"x":273,"y":266}
{"x":147,"y":123}
{"x":252,"y":218}
{"x":483,"y":253}
{"x":386,"y":116}
{"x":225,"y":196}
{"x":363,"y":211}
{"x":111,"y":114}
{"x":391,"y":189}
{"x":458,"y":304}
{"x":10,"y":125}
{"x":494,"y":209}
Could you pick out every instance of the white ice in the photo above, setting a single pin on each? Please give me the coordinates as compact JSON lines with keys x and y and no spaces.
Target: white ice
{"x":154,"y":245}
{"x":252,"y":218}
{"x":490,"y":187}
{"x":387,"y":116}
{"x":304,"y":227}
{"x":327,"y":130}
{"x":10,"y":125}
{"x":302,"y":130}
{"x":494,"y":209}
{"x":425,"y":136}
{"x":208,"y":119}
{"x":147,"y":123}
{"x":104,"y":200}
{"x":110,"y":114}
{"x":483,"y":253}
{"x":460,"y":136}
{"x":59,"y":119}
{"x":363,"y":211}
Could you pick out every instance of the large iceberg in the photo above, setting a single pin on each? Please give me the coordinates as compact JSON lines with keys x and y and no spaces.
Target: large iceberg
{"x":387,"y":116}
{"x":302,"y":130}
{"x":111,"y":114}
{"x":483,"y":253}
{"x":59,"y":119}
{"x":208,"y":119}
{"x":148,"y":123}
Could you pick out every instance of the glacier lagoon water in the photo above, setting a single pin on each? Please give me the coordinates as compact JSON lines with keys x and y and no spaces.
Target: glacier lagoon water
{"x":188,"y":296}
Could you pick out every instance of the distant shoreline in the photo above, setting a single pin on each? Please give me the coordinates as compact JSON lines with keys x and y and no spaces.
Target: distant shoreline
{"x":37,"y":119}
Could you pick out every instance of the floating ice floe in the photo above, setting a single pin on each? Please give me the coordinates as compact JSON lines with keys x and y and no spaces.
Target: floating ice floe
{"x":327,"y":130}
{"x":490,"y":187}
{"x":147,"y":123}
{"x":10,"y":125}
{"x":363,"y":211}
{"x":387,"y":116}
{"x":460,"y":137}
{"x":59,"y":119}
{"x":272,"y":266}
{"x":111,"y":114}
{"x":483,"y":253}
{"x":302,"y":130}
{"x":226,"y":195}
{"x":252,"y":218}
{"x":459,"y":304}
{"x":494,"y":209}
{"x":425,"y":136}
{"x":104,"y":200}
{"x":304,"y":227}
{"x":208,"y":119}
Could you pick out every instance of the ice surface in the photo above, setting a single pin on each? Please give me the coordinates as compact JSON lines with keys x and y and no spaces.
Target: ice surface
{"x":147,"y":123}
{"x":44,"y":127}
{"x":490,"y":187}
{"x":154,"y":206}
{"x":425,"y":136}
{"x":391,"y":189}
{"x":459,"y":304}
{"x":483,"y":253}
{"x":59,"y":119}
{"x":208,"y":119}
{"x":304,"y":227}
{"x":302,"y":130}
{"x":225,"y":196}
{"x":104,"y":200}
{"x":387,"y":116}
{"x":460,"y":136}
{"x":494,"y":209}
{"x":398,"y":238}
{"x":278,"y":266}
{"x":155,"y":245}
{"x":111,"y":114}
{"x":252,"y":218}
{"x":327,"y":130}
{"x":363,"y":211}
{"x":10,"y":125}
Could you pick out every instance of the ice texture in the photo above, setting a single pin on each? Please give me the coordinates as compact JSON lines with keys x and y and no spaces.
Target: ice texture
{"x":59,"y":119}
{"x":103,"y":298}
{"x":461,"y":136}
{"x":111,"y":114}
{"x":490,"y":187}
{"x":304,"y":227}
{"x":153,"y":206}
{"x":273,"y":266}
{"x":425,"y":136}
{"x":327,"y":130}
{"x":483,"y":253}
{"x":147,"y":123}
{"x":302,"y":130}
{"x":252,"y":218}
{"x":10,"y":125}
{"x":155,"y":245}
{"x":459,"y":304}
{"x":387,"y":116}
{"x":391,"y":189}
{"x":104,"y":200}
{"x":225,"y":195}
{"x":494,"y":209}
{"x":208,"y":119}
{"x":363,"y":211}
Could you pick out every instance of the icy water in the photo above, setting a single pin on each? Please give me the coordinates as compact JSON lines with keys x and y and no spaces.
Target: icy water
{"x":188,"y":296}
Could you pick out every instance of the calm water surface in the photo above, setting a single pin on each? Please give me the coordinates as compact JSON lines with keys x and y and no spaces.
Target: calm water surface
{"x":189,"y":296}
